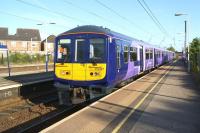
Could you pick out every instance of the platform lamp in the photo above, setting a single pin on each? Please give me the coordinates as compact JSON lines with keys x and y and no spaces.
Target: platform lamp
{"x":46,"y":48}
{"x":185,"y":42}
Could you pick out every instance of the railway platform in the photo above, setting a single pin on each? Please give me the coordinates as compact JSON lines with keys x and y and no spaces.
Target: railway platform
{"x":13,"y":86}
{"x":165,"y":100}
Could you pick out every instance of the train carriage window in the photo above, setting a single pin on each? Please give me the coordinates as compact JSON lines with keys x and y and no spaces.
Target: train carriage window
{"x":151,"y":54}
{"x":64,"y":50}
{"x":97,"y":50}
{"x":158,"y":54}
{"x":125,"y":54}
{"x":147,"y":54}
{"x":133,"y":54}
{"x":80,"y":50}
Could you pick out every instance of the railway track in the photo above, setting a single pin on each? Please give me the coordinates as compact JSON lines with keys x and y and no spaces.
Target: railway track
{"x":23,"y":110}
{"x":49,"y":119}
{"x":34,"y":100}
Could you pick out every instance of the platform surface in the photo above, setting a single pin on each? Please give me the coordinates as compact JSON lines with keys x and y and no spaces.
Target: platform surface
{"x":24,"y":79}
{"x":166,"y":100}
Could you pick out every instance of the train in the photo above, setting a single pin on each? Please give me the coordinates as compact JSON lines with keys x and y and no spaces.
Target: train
{"x":92,"y":60}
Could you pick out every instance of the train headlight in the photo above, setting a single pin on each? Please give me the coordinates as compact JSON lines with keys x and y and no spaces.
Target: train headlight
{"x":65,"y":73}
{"x":94,"y":73}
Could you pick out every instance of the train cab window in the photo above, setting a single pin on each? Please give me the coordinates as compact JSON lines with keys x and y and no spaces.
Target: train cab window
{"x":133,"y":54}
{"x":64,"y":50}
{"x":97,"y":50}
{"x":125,"y":54}
{"x":80,"y":50}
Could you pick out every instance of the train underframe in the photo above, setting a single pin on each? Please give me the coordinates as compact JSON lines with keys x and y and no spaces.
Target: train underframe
{"x":74,"y":95}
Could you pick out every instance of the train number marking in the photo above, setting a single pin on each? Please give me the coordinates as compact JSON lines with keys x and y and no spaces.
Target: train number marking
{"x":8,"y":94}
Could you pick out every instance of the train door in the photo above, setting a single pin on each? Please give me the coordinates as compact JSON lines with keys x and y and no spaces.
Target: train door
{"x":79,"y":66}
{"x":141,"y":58}
{"x":155,"y":58}
{"x":119,"y":62}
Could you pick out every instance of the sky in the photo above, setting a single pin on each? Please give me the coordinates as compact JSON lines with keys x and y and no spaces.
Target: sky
{"x":124,"y":16}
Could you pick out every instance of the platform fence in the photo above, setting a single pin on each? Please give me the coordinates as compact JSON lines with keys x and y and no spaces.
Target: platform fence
{"x":24,"y":62}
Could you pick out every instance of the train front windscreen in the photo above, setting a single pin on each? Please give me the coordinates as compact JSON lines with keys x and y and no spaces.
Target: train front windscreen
{"x":81,"y":50}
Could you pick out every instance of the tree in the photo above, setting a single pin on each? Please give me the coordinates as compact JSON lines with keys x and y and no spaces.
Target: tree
{"x":195,"y":54}
{"x":171,"y":49}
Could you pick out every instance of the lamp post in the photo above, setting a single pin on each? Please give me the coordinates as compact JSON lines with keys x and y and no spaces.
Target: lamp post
{"x":46,"y":48}
{"x":185,"y":42}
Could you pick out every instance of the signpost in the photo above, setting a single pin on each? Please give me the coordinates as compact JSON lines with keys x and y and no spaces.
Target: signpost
{"x":3,"y":48}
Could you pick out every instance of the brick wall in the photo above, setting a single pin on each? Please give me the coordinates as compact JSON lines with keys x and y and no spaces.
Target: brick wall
{"x":15,"y":46}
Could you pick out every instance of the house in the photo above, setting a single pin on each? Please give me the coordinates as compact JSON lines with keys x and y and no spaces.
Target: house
{"x":50,"y":44}
{"x":25,"y":40}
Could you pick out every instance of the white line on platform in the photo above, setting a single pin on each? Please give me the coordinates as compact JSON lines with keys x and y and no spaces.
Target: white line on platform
{"x":23,"y":84}
{"x":10,"y":86}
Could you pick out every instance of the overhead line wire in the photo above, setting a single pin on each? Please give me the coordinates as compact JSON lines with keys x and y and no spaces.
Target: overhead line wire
{"x":25,"y":18}
{"x":48,"y":10}
{"x":122,"y":17}
{"x":151,"y":17}
{"x":94,"y":14}
{"x":57,"y":13}
{"x":155,"y":17}
{"x":161,"y":26}
{"x":29,"y":19}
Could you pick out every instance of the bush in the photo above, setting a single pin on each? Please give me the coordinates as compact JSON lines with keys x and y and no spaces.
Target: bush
{"x":24,"y":58}
{"x":37,"y":58}
{"x":2,"y":61}
{"x":195,"y":54}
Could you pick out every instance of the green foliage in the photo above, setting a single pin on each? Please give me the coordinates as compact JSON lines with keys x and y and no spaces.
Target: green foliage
{"x":19,"y":58}
{"x":195,"y":54}
{"x":171,"y":49}
{"x":24,"y":58}
{"x":37,"y":58}
{"x":3,"y":61}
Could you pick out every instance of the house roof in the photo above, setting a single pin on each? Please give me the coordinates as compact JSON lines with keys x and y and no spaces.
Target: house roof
{"x":21,"y":35}
{"x":50,"y":39}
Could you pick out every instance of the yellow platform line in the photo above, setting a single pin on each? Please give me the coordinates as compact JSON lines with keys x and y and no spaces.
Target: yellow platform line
{"x":116,"y":129}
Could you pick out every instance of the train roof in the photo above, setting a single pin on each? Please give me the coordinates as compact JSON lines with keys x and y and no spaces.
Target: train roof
{"x":102,"y":30}
{"x":88,"y":28}
{"x":96,"y":29}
